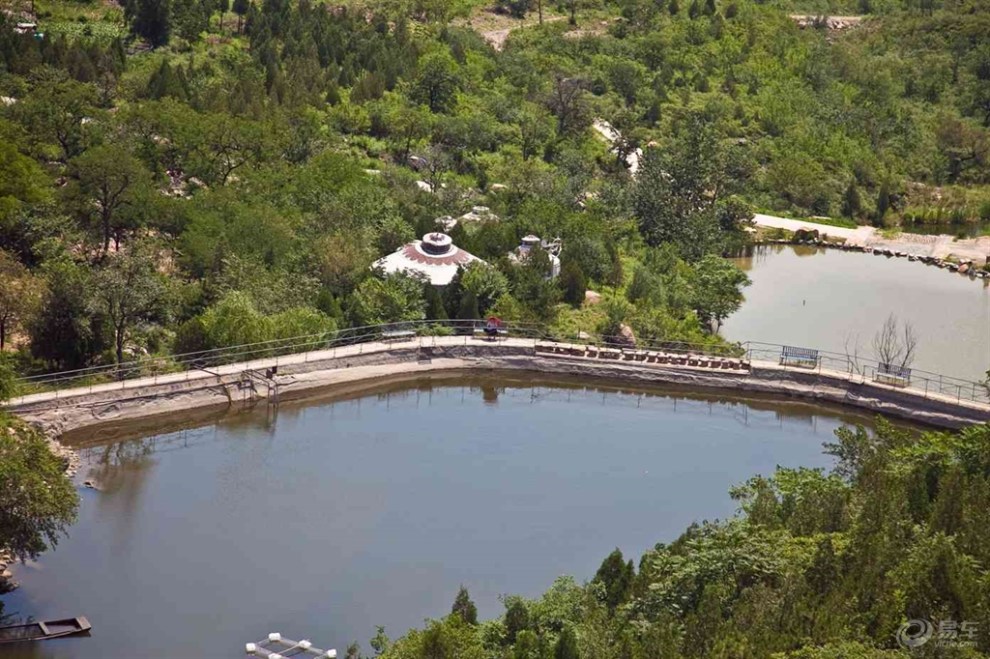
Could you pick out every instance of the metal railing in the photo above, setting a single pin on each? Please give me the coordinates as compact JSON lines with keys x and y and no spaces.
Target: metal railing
{"x":873,"y":371}
{"x":206,"y":361}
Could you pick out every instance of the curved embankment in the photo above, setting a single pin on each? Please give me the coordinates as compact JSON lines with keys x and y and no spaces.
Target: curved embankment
{"x":313,"y":373}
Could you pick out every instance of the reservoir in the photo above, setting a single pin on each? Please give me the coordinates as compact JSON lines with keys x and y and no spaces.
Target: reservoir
{"x":821,"y":298}
{"x":335,"y":515}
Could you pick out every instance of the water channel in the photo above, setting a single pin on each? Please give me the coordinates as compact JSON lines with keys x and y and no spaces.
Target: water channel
{"x":340,"y":514}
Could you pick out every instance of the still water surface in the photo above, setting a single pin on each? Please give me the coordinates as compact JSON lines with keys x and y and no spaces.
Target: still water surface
{"x":344,"y":513}
{"x":817,"y":298}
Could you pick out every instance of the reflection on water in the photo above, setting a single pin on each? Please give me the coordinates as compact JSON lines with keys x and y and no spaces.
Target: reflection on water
{"x":373,"y":507}
{"x":838,"y":298}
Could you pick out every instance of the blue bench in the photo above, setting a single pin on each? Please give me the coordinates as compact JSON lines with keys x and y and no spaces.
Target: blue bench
{"x":800,"y":357}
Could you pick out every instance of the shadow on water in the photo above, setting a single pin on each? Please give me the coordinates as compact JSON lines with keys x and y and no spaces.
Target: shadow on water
{"x":113,"y":444}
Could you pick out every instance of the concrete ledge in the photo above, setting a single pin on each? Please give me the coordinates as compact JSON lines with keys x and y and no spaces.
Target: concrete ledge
{"x":373,"y":363}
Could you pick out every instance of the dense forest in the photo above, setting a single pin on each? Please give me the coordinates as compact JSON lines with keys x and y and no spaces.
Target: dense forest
{"x":180,"y":176}
{"x":818,"y":565}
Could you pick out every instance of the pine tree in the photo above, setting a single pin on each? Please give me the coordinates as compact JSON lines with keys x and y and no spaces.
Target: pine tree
{"x":151,"y":20}
{"x":673,"y":7}
{"x":469,"y":307}
{"x":709,"y":7}
{"x":241,"y":8}
{"x":573,"y":283}
{"x":516,"y":619}
{"x":883,"y":203}
{"x":566,"y":647}
{"x":434,"y":304}
{"x":617,"y":576}
{"x":851,"y":203}
{"x":464,"y":607}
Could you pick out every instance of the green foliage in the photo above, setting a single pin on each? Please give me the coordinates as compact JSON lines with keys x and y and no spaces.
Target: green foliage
{"x":66,"y":333}
{"x":485,"y":283}
{"x":8,"y":379}
{"x":617,"y":577}
{"x":389,"y":299}
{"x":37,"y":500}
{"x":817,"y":564}
{"x":150,"y":20}
{"x":717,"y":289}
{"x":128,"y":291}
{"x":235,"y":321}
{"x":464,"y":607}
{"x":573,"y":283}
{"x":566,"y":647}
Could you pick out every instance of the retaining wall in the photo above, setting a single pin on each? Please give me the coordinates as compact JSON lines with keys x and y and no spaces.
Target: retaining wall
{"x":379,"y":362}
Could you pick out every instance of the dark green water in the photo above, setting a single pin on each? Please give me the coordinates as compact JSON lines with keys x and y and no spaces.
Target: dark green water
{"x":338,"y":515}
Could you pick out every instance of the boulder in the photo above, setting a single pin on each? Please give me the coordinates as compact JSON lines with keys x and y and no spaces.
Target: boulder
{"x":591,"y":297}
{"x":626,"y":337}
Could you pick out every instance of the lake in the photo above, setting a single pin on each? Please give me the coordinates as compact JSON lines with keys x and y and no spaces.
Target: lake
{"x":817,"y":298}
{"x":339,"y":514}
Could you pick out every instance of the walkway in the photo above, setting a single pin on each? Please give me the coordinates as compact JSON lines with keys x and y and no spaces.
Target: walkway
{"x":928,"y":400}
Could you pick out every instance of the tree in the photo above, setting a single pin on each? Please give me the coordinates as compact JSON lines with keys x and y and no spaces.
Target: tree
{"x":408,"y":124}
{"x":150,"y":20}
{"x":516,"y":8}
{"x":486,"y":283}
{"x":20,"y":293}
{"x":573,"y":283}
{"x":223,"y":6}
{"x":883,"y":202}
{"x":129,"y":290}
{"x":55,"y":110}
{"x":894,"y":344}
{"x":468,"y":309}
{"x":516,"y":618}
{"x":852,"y":205}
{"x":437,"y":82}
{"x":241,"y":8}
{"x":566,"y":647}
{"x":22,"y":181}
{"x":464,"y":607}
{"x":678,"y":190}
{"x":390,"y":299}
{"x":717,"y":289}
{"x":37,"y":501}
{"x":8,"y":379}
{"x":108,"y":181}
{"x":568,"y":101}
{"x":65,"y":332}
{"x":616,"y":576}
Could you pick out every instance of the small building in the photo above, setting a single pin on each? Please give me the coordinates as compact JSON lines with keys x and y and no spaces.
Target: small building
{"x":552,"y":248}
{"x":479,"y":214}
{"x":435,"y":257}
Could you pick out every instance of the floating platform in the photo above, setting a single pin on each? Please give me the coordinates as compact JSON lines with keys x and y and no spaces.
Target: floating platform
{"x":276,"y":647}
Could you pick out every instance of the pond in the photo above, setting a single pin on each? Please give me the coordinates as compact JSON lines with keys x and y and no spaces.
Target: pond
{"x":371,"y":508}
{"x":818,"y":298}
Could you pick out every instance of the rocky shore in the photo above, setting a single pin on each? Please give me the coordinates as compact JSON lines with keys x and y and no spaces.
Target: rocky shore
{"x":964,"y":267}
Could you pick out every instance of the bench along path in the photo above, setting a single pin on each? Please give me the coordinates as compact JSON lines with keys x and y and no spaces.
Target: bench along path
{"x":307,"y":373}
